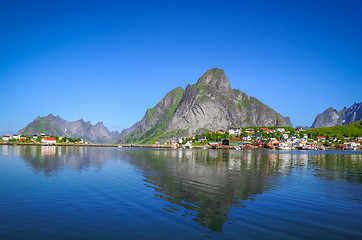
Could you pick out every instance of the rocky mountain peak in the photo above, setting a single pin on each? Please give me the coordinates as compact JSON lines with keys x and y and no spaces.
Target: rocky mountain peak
{"x":331,"y":117}
{"x":216,"y":78}
{"x":210,"y":104}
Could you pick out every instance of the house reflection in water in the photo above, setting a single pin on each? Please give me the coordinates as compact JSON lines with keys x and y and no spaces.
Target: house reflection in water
{"x":50,"y":159}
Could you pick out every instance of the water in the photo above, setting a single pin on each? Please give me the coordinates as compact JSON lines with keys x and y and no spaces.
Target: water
{"x":118,"y":193}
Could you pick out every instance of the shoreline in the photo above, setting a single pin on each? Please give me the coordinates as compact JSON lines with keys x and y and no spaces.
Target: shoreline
{"x":142,"y":146}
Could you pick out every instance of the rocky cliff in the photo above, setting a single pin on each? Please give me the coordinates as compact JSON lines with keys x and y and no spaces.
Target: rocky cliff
{"x":210,"y":104}
{"x":331,"y":117}
{"x":56,"y":126}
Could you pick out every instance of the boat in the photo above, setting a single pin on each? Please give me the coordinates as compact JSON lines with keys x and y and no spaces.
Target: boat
{"x":237,"y":148}
{"x":349,"y":148}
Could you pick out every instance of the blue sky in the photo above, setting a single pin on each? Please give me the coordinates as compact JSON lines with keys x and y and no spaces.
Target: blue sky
{"x":111,"y":60}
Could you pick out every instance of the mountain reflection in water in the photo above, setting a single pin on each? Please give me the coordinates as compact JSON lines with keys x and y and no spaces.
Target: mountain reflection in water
{"x":201,"y":184}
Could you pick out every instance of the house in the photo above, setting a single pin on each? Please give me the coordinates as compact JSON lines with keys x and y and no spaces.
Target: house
{"x":359,"y":138}
{"x":356,"y":144}
{"x":257,"y":136}
{"x":267,"y":130}
{"x":221,"y":131}
{"x":34,"y":137}
{"x":174,"y":144}
{"x":321,"y":138}
{"x":272,"y":138}
{"x":48,"y":140}
{"x":213,"y":144}
{"x":280,"y":130}
{"x":6,"y":138}
{"x":202,"y":138}
{"x":293,"y":137}
{"x":249,"y":130}
{"x":246,"y":137}
{"x":16,"y":136}
{"x":269,"y":144}
{"x":232,"y":142}
{"x":347,"y":138}
{"x":234,"y":131}
{"x":257,"y":143}
{"x":192,"y":137}
{"x":299,"y":129}
{"x":22,"y":138}
{"x":285,"y":136}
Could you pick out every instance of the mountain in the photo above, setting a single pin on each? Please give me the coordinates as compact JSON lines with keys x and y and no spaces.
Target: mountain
{"x":331,"y":117}
{"x":56,"y":126}
{"x":210,"y":104}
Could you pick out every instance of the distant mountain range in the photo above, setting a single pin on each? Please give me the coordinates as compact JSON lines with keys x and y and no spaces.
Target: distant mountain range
{"x":210,"y":104}
{"x":331,"y":117}
{"x":57,"y":126}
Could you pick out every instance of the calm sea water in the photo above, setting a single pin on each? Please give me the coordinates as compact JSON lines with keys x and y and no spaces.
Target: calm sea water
{"x":122,"y":193}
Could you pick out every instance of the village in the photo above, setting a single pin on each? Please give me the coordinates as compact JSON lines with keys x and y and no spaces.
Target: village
{"x":277,"y":138}
{"x":41,"y":138}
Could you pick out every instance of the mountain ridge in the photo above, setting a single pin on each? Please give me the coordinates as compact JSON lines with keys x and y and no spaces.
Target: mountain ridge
{"x":56,"y":126}
{"x":331,"y":117}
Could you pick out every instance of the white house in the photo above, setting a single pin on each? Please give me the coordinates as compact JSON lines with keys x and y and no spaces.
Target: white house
{"x":6,"y":138}
{"x":321,"y":138}
{"x":285,"y":136}
{"x":272,"y":138}
{"x":202,"y":138}
{"x":16,"y":136}
{"x":280,"y":130}
{"x":246,"y":138}
{"x":48,"y":140}
{"x":234,"y":131}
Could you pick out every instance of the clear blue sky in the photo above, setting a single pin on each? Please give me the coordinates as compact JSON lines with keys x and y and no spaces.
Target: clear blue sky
{"x":111,"y":60}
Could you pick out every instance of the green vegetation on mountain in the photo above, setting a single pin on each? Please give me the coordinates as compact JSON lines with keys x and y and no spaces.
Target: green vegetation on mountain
{"x":351,"y":130}
{"x":157,"y":131}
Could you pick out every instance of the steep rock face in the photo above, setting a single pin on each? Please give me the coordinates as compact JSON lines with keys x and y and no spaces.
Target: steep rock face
{"x":161,"y":111}
{"x":210,"y":104}
{"x":155,"y":120}
{"x":353,"y":113}
{"x":331,"y":117}
{"x":57,"y":126}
